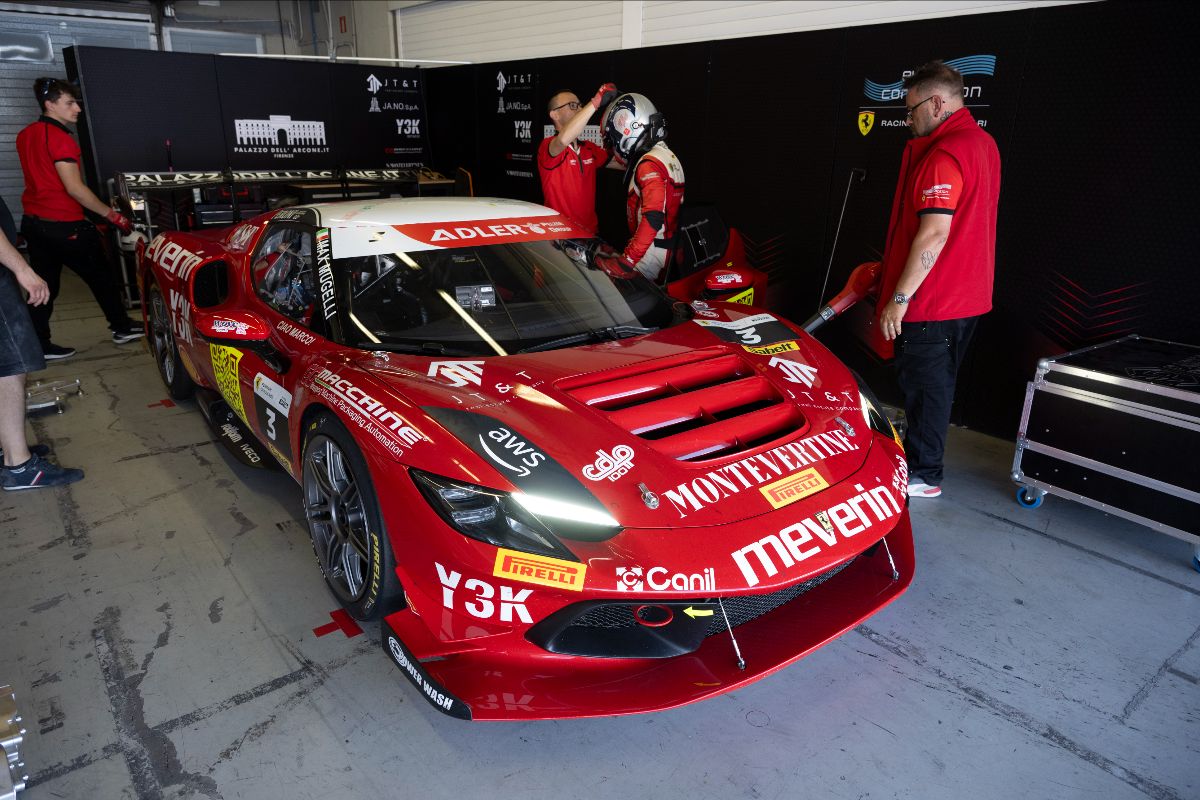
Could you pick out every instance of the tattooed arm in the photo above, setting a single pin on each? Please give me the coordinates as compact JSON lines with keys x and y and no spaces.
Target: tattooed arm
{"x":922,"y":259}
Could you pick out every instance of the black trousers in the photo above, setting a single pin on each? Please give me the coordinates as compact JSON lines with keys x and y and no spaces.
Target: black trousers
{"x":928,"y":355}
{"x":78,"y":246}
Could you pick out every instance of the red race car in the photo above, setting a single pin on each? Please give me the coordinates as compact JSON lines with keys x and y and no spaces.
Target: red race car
{"x":564,"y":493}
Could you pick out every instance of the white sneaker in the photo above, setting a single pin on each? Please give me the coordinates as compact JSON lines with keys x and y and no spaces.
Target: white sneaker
{"x":924,"y":490}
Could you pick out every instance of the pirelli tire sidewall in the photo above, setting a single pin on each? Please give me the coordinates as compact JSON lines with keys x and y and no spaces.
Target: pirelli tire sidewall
{"x":382,"y":592}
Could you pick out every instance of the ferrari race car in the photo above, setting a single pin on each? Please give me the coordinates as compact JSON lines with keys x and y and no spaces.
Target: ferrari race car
{"x":564,"y":493}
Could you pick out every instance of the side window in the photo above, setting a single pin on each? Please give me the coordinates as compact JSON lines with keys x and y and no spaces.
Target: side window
{"x":284,"y":273}
{"x":210,"y":285}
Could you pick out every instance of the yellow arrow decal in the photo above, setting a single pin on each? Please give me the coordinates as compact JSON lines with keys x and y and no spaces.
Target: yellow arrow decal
{"x":698,"y":612}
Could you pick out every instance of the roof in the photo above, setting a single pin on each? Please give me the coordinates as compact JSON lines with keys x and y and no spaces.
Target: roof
{"x":409,"y":210}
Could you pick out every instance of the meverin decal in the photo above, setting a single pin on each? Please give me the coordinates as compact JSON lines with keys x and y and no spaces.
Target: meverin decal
{"x":660,"y":579}
{"x":509,"y":451}
{"x":172,"y":257}
{"x":610,"y":466}
{"x":458,"y":373}
{"x":392,"y":431}
{"x":796,"y":543}
{"x":437,"y":695}
{"x":756,"y":330}
{"x":754,"y":471}
{"x":325,"y":273}
{"x":272,"y":406}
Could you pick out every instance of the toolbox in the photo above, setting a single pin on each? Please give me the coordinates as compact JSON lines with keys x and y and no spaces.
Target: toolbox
{"x":1116,"y":426}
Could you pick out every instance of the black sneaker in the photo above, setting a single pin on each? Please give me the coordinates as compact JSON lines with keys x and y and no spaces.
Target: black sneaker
{"x":128,"y":332}
{"x":37,"y":473}
{"x":34,"y":450}
{"x":53,"y":352}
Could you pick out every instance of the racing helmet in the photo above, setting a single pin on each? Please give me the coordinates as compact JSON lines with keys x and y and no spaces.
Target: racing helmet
{"x":631,"y":126}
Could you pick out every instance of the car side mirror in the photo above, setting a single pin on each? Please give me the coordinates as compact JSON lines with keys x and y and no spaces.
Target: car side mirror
{"x":235,"y":328}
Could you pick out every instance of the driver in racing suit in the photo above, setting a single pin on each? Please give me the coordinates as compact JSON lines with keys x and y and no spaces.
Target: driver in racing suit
{"x":637,"y":133}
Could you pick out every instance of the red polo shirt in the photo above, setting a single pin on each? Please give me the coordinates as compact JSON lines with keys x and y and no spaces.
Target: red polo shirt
{"x":569,"y":180}
{"x":39,"y":147}
{"x":954,"y":170}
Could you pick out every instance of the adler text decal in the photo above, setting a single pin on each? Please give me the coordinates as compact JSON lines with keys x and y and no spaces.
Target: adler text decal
{"x":491,"y":231}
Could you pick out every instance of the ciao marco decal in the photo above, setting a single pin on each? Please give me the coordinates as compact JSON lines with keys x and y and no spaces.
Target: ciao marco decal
{"x":492,"y":231}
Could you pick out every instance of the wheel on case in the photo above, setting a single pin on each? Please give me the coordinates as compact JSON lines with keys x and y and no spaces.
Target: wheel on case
{"x":1029,"y":498}
{"x":344,"y":522}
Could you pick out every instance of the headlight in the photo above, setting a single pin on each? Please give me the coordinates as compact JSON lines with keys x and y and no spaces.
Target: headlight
{"x":872,"y":411}
{"x":517,"y":522}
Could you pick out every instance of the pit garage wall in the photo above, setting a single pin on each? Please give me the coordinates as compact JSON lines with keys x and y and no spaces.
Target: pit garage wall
{"x":1097,"y":213}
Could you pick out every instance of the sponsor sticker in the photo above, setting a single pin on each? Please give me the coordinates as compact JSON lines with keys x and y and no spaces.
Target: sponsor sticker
{"x":661,"y":579}
{"x":481,"y":599}
{"x":172,"y":257}
{"x":511,"y":452}
{"x":325,"y":273}
{"x":225,"y":362}
{"x":458,"y":373}
{"x":542,"y":570}
{"x":795,"y":371}
{"x":492,"y":231}
{"x":757,"y":330}
{"x":746,"y":298}
{"x":772,"y":349}
{"x":610,"y":466}
{"x":808,"y":537}
{"x":393,"y":432}
{"x":794,"y":487}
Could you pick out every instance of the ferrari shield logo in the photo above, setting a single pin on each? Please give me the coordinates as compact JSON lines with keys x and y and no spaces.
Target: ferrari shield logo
{"x":866,"y":119}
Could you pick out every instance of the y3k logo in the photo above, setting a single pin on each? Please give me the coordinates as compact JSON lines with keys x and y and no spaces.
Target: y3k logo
{"x":610,"y":466}
{"x":794,"y":371}
{"x":483,"y":605}
{"x":458,"y":373}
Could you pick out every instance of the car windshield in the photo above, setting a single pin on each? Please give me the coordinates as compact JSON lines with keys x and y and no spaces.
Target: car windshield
{"x":498,"y":299}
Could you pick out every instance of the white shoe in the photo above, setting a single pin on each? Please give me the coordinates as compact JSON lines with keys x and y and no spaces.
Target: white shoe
{"x":924,"y":490}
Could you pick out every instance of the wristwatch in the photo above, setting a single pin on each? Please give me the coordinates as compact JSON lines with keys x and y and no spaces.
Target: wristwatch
{"x":900,"y":298}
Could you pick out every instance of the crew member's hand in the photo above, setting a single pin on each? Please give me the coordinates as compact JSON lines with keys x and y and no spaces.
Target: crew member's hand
{"x":604,"y":95}
{"x":614,"y":266}
{"x":119,"y":221}
{"x":889,"y":320}
{"x":31,"y":282}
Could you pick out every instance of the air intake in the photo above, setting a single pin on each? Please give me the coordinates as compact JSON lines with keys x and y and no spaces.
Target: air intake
{"x":705,"y":405}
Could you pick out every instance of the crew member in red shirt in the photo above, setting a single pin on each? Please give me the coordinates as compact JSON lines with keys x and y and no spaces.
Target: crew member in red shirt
{"x":567,"y":165}
{"x":637,"y":133}
{"x":54,"y":225}
{"x":939,"y":260}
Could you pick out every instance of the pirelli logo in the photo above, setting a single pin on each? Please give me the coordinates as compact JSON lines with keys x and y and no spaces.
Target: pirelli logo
{"x":772,"y":349}
{"x":793,"y":488}
{"x":541,"y":570}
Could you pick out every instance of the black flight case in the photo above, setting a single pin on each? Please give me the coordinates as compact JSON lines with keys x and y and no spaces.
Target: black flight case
{"x":1116,"y":426}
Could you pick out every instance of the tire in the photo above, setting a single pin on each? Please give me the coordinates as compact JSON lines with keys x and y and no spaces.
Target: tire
{"x":165,"y":349}
{"x":344,"y":522}
{"x":1028,"y":498}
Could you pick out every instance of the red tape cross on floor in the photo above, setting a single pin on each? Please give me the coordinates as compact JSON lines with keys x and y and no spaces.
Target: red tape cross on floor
{"x":341,"y":622}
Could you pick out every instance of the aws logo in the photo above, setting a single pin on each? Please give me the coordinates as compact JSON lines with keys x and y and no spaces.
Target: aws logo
{"x":513,"y":453}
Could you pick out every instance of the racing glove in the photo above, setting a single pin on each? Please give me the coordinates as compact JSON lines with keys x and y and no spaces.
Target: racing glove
{"x":614,"y":266}
{"x":119,"y":221}
{"x":604,"y":95}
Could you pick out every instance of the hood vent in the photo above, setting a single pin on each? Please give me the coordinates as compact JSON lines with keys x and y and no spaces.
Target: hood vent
{"x":709,"y":404}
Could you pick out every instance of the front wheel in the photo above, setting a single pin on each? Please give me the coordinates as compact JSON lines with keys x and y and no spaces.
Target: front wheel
{"x":165,"y":349}
{"x":344,"y":521}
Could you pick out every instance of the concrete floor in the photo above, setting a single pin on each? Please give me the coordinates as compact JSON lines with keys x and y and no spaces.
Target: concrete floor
{"x":157,"y":624}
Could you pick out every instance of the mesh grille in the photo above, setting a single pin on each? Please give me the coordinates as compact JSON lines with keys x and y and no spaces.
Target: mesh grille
{"x":741,"y":609}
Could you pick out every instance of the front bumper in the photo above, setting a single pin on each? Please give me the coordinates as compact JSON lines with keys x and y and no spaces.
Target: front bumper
{"x":495,"y":679}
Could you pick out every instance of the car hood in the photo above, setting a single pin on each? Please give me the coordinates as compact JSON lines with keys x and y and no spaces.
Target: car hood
{"x":681,"y":428}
